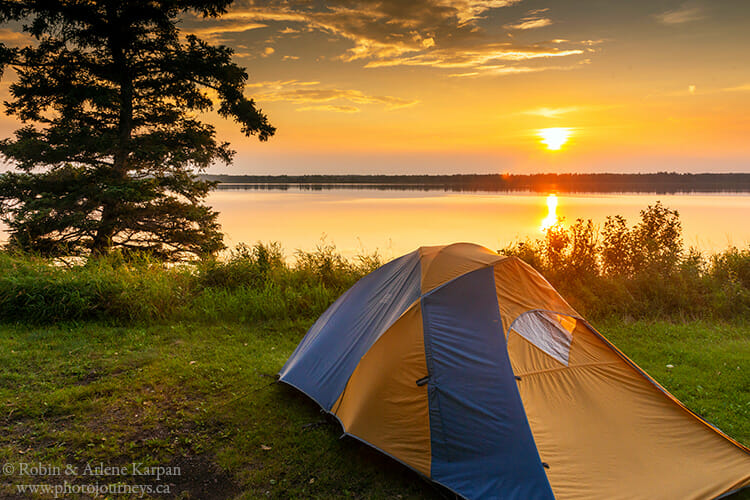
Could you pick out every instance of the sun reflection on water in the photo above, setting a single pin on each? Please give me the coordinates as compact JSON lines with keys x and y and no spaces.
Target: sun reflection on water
{"x":551,"y":218}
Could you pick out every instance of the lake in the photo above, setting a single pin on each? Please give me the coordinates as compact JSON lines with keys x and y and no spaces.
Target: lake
{"x":394,"y":222}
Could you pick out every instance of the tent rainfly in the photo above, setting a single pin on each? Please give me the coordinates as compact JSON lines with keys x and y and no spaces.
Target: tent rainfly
{"x":468,"y":367}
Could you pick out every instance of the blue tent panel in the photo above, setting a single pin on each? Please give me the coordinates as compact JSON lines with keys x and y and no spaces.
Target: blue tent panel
{"x":482,"y":446}
{"x":327,"y":356}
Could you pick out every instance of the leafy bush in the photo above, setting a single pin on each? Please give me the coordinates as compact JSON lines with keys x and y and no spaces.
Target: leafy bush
{"x":641,"y":271}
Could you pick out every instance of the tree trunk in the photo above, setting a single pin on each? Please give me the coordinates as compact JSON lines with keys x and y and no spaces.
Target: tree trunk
{"x":118,"y":44}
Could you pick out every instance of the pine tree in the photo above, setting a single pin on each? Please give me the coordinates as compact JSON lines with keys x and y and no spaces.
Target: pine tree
{"x":110,"y":94}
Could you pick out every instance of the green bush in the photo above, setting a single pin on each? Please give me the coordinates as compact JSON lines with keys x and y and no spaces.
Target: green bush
{"x":641,"y":271}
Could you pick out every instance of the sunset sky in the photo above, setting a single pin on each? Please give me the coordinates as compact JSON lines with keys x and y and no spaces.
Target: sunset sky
{"x":438,"y":86}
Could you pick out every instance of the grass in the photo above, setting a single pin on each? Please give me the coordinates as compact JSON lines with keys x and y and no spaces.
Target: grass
{"x":198,"y":396}
{"x":253,"y":284}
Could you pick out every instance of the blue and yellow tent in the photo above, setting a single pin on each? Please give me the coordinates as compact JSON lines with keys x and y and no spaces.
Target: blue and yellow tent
{"x":468,"y":367}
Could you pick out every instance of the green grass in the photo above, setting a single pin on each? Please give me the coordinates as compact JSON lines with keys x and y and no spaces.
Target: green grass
{"x":199,"y":396}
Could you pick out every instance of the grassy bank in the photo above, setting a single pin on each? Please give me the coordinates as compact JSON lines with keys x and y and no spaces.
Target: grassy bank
{"x":198,"y":397}
{"x":252,"y":284}
{"x":260,"y":284}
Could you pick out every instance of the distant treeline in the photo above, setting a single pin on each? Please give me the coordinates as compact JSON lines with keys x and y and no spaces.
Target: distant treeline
{"x":663,"y":182}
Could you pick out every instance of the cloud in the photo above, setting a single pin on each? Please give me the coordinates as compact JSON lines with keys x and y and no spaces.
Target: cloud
{"x":478,"y":57}
{"x":280,"y":84}
{"x":268,"y":51}
{"x":556,"y":112}
{"x":514,"y":70}
{"x":501,"y":70}
{"x":290,"y":91}
{"x":532,"y":20}
{"x":383,"y":33}
{"x":684,"y":14}
{"x":329,"y":107}
{"x":530,"y":24}
{"x":470,"y":10}
{"x":552,"y":112}
{"x":217,"y":32}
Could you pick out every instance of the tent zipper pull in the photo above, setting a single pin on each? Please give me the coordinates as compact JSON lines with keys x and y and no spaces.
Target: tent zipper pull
{"x":422,"y":381}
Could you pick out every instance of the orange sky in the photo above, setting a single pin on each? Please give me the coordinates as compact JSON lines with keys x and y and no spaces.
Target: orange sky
{"x":464,"y":86}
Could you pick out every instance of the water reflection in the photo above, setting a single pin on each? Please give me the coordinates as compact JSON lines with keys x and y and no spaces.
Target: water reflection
{"x":398,"y":221}
{"x":551,"y":218}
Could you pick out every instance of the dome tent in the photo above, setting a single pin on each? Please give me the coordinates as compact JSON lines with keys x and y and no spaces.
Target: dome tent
{"x":468,"y":367}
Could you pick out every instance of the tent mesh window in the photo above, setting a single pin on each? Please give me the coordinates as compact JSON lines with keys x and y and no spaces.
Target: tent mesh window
{"x":549,"y":331}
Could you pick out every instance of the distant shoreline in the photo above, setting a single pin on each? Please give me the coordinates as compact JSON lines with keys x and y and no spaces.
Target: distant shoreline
{"x":561,"y":183}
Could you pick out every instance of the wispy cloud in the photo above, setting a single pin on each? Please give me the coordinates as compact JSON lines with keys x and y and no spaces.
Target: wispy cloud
{"x":479,"y":57}
{"x":301,"y":93}
{"x":684,"y":14}
{"x":280,"y":84}
{"x":557,"y":112}
{"x":552,"y":112}
{"x":218,"y":32}
{"x":533,"y":19}
{"x":501,"y":70}
{"x":332,"y":108}
{"x":530,"y":24}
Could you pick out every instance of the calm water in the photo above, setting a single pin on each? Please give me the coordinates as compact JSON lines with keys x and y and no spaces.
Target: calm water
{"x":396,"y":222}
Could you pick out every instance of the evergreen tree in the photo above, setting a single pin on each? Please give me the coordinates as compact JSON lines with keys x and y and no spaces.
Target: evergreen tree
{"x":109,"y":94}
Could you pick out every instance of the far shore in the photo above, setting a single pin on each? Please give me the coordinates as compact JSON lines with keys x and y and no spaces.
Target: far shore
{"x":663,"y":182}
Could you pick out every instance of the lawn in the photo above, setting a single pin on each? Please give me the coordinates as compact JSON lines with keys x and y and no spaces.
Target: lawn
{"x":202,"y":398}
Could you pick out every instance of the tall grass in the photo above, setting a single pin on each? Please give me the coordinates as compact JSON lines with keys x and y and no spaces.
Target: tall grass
{"x":640,"y":271}
{"x":253,"y":283}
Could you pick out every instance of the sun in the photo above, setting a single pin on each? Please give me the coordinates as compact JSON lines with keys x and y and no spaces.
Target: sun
{"x":554,"y":138}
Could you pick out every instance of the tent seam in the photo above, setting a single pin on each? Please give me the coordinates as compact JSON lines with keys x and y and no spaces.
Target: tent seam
{"x":549,"y":370}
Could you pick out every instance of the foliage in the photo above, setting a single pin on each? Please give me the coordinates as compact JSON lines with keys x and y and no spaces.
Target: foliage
{"x":641,"y":271}
{"x":252,"y":283}
{"x":108,"y":93}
